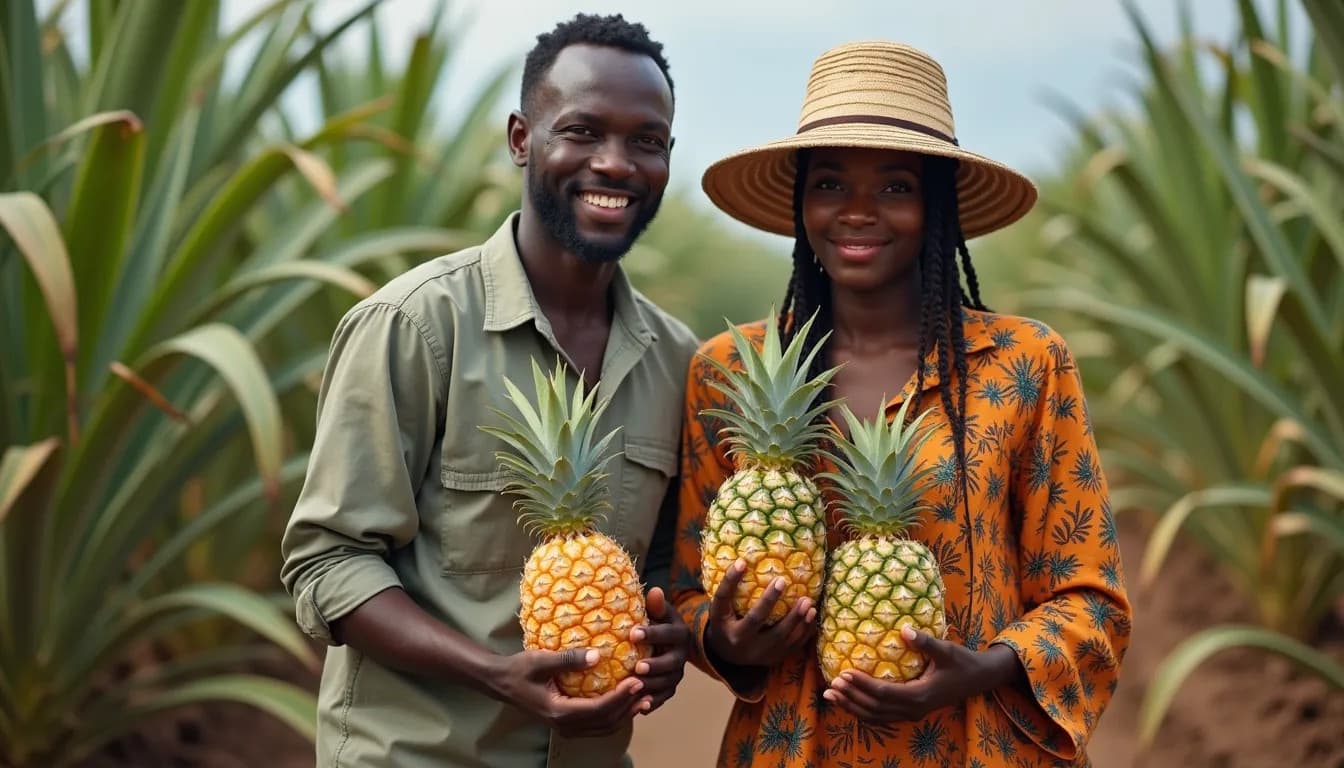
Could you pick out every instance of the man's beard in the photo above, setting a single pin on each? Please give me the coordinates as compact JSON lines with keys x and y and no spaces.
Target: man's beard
{"x":557,"y":216}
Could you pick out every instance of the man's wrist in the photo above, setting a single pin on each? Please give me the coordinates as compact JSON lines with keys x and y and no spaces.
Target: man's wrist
{"x":483,"y":670}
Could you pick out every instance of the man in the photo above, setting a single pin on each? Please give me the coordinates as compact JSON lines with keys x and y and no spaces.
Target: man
{"x":402,"y":553}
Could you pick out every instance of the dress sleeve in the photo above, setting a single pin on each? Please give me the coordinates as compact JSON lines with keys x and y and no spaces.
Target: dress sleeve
{"x":1077,"y":623}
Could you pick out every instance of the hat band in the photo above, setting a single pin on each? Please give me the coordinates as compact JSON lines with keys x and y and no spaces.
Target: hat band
{"x":895,"y":122}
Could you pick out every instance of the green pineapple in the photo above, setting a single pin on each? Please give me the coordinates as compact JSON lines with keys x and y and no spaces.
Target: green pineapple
{"x":880,"y":581}
{"x":768,"y":513}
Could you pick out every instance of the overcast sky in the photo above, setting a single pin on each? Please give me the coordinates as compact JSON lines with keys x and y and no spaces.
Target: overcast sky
{"x":740,"y":66}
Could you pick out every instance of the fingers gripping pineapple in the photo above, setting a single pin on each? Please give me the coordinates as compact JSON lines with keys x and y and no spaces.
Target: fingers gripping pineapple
{"x":768,"y":513}
{"x":579,"y":588}
{"x":880,"y":580}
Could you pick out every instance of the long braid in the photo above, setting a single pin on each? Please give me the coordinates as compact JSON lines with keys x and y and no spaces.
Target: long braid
{"x":794,"y":290}
{"x":944,"y":242}
{"x":972,"y":280}
{"x":809,"y":288}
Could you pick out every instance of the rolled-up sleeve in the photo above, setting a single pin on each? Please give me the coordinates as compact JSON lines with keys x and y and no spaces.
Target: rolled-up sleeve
{"x":378,"y":410}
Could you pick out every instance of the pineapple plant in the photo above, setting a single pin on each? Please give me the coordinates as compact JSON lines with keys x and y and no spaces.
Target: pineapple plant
{"x":880,"y":580}
{"x":768,"y":513}
{"x":579,"y":588}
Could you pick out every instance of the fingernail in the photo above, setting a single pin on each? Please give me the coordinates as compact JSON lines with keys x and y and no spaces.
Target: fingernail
{"x":637,"y":687}
{"x":740,"y":565}
{"x":908,"y":634}
{"x":641,"y":668}
{"x":590,"y":658}
{"x":646,"y":705}
{"x":848,"y":676}
{"x":779,"y":583}
{"x":636,"y":634}
{"x":828,"y":695}
{"x":812,"y":615}
{"x":838,"y":683}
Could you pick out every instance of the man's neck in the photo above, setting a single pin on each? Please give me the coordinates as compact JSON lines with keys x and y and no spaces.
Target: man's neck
{"x":563,"y":284}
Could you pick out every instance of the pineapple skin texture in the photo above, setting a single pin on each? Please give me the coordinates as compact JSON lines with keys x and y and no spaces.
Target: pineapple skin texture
{"x":775,"y":521}
{"x":876,"y":586}
{"x":582,"y":591}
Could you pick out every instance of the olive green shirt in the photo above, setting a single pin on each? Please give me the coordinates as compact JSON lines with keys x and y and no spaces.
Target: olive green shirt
{"x":403,"y":490}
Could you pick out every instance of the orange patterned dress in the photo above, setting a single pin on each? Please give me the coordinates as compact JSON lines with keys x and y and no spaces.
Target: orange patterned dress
{"x":1040,"y":560}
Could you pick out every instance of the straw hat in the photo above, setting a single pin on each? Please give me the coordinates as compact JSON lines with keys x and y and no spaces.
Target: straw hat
{"x":877,"y":95}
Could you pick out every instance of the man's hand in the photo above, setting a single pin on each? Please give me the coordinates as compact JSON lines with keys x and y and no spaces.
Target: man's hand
{"x":954,"y":674}
{"x":750,"y":641}
{"x":670,"y":637}
{"x":527,"y":680}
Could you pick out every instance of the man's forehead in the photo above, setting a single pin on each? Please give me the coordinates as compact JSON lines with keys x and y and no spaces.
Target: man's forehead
{"x":590,"y":71}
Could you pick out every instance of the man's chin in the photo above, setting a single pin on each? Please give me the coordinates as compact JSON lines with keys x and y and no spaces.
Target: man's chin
{"x":601,"y":252}
{"x":601,"y":247}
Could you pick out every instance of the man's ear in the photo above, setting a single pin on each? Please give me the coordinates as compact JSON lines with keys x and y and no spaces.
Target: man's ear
{"x":519,"y":132}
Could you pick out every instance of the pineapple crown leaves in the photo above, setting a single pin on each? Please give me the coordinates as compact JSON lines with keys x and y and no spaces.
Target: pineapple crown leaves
{"x":775,"y":422}
{"x":878,"y":475}
{"x":555,"y":467}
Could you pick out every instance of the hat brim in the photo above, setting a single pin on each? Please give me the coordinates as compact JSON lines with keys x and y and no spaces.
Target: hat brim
{"x":755,"y":186}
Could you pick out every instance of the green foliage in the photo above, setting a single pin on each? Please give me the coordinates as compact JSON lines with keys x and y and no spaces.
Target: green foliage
{"x":1194,"y":249}
{"x":170,"y":273}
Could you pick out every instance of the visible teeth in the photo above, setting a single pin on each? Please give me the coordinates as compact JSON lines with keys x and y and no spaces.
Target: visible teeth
{"x":605,"y":201}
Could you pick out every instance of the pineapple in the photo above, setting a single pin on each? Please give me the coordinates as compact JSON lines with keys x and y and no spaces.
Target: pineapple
{"x":579,"y":588}
{"x":880,"y":581}
{"x":767,"y":513}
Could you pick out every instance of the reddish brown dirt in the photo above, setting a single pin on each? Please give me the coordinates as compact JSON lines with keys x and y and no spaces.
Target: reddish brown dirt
{"x":1242,"y":710}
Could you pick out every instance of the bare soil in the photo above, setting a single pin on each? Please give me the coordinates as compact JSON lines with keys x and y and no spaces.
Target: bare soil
{"x":1241,"y":710}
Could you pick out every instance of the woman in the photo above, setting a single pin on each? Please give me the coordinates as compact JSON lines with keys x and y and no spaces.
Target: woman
{"x":880,"y":199}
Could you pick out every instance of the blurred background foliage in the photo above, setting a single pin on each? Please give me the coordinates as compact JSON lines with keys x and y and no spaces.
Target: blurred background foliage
{"x":175,"y":250}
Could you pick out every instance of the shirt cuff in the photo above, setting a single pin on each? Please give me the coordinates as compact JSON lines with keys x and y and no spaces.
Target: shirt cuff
{"x":341,"y":589}
{"x":1023,"y":707}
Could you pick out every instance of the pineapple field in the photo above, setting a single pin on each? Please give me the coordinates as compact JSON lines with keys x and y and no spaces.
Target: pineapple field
{"x":177,"y":244}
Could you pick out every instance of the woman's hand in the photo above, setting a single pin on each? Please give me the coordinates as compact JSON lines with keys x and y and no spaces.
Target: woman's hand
{"x":750,"y":641}
{"x":954,"y":674}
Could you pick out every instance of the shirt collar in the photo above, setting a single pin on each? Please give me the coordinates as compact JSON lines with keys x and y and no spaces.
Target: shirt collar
{"x":510,"y":302}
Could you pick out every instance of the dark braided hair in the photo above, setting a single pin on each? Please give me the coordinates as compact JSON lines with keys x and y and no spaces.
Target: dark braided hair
{"x":942,"y":298}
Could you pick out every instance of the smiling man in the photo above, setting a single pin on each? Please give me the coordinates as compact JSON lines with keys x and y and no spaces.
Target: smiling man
{"x":403,"y":553}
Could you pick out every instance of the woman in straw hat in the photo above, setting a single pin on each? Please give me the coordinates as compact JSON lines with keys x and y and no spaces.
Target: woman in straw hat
{"x":880,"y":199}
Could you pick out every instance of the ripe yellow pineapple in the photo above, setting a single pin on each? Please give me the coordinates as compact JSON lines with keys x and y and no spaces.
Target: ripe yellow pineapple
{"x":579,"y":588}
{"x":768,"y":513}
{"x":880,"y":581}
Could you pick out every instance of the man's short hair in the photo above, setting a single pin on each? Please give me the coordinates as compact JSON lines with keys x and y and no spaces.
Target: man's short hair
{"x":588,"y":29}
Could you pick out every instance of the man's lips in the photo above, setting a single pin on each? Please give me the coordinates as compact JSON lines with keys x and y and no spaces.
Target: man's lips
{"x":606,"y":206}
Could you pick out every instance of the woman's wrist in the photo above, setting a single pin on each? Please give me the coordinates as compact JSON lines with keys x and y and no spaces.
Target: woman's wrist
{"x":1001,"y":667}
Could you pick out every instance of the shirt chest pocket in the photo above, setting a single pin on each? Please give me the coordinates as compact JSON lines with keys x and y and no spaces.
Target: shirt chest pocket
{"x":649,"y":466}
{"x":479,"y":527}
